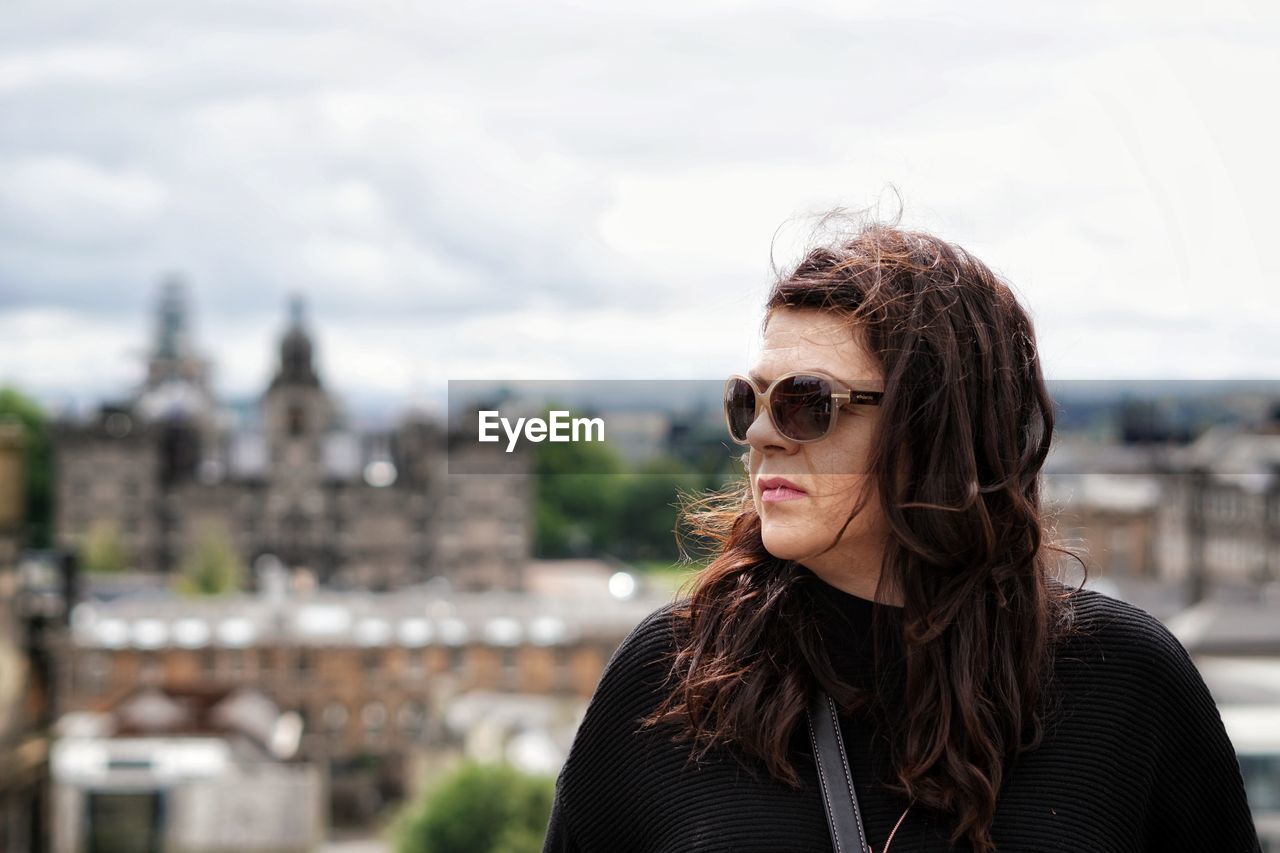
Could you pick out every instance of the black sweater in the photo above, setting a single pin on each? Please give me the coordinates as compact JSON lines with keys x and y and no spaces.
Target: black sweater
{"x":1135,"y":758}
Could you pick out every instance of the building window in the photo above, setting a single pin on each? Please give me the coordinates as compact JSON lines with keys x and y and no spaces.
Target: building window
{"x":334,"y":718}
{"x":94,"y":671}
{"x":149,"y":666}
{"x":417,"y":662}
{"x":306,"y":664}
{"x":510,"y":666}
{"x":374,"y":719}
{"x":457,"y":660}
{"x":297,"y":421}
{"x":563,"y":666}
{"x":372,"y":662}
{"x":295,"y":526}
{"x":310,"y":719}
{"x":411,"y":720}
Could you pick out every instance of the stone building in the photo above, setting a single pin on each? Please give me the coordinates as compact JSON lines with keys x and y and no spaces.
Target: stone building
{"x":371,"y":676}
{"x":1196,"y":516}
{"x":289,"y":477}
{"x":25,"y":700}
{"x":1219,"y":517}
{"x":24,"y":720}
{"x":195,"y":769}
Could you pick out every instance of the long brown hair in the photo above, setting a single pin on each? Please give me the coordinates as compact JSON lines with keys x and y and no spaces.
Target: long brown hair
{"x":965,"y":428}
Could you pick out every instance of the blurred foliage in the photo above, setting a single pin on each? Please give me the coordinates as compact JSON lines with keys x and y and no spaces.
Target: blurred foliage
{"x":579,"y":497}
{"x":212,"y":567}
{"x":101,"y":549}
{"x":37,"y":462}
{"x":647,"y":518}
{"x":480,"y":808}
{"x":590,"y":502}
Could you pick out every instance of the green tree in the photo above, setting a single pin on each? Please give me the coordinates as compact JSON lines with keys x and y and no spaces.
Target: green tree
{"x":580,"y":488}
{"x":101,"y":549}
{"x":649,"y":506}
{"x":37,"y":463}
{"x":212,"y":567}
{"x":589,"y":502}
{"x":480,"y":808}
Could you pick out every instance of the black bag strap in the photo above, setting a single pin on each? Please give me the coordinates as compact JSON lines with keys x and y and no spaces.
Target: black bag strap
{"x":834,"y":776}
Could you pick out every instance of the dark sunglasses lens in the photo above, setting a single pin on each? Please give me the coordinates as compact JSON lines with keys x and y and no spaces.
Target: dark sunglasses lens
{"x":740,"y":406}
{"x":801,"y":407}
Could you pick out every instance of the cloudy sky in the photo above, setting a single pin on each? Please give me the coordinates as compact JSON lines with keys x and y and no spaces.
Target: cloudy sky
{"x":592,"y":190}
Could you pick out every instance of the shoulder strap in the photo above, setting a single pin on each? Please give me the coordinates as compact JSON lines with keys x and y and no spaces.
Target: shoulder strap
{"x":844,"y":818}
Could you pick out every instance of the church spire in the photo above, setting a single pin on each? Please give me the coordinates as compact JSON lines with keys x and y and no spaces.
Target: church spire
{"x":296,"y":365}
{"x":172,"y":341}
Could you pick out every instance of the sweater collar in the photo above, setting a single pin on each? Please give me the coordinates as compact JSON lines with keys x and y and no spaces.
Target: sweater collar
{"x":845,"y":622}
{"x":851,"y":605}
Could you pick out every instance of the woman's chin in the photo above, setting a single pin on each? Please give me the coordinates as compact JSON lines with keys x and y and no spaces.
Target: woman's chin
{"x":784,"y":547}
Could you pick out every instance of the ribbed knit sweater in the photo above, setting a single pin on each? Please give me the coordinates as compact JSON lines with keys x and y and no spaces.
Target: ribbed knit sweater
{"x":1135,"y":758}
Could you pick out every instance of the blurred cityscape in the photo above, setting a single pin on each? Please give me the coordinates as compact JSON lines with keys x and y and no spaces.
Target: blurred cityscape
{"x":261,"y":627}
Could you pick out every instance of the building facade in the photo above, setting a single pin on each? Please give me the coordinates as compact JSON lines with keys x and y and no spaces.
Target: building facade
{"x":372,"y":677}
{"x":171,"y":468}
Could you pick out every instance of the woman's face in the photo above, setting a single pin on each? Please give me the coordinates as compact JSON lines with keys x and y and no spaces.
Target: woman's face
{"x":831,"y":472}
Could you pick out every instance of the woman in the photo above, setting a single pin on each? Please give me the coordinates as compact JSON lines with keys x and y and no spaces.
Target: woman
{"x":889,"y":548}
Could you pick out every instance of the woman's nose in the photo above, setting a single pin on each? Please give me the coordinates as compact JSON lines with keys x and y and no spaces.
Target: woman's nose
{"x":762,"y":433}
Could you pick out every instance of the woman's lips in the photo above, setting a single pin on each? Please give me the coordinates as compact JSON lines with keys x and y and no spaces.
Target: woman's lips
{"x":774,"y":489}
{"x":780,"y":493}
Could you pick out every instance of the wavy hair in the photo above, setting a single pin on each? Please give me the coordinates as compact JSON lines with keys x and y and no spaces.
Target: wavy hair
{"x":965,"y":428}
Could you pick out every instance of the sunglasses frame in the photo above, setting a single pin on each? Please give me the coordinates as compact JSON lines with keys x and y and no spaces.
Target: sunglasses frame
{"x":843,"y":394}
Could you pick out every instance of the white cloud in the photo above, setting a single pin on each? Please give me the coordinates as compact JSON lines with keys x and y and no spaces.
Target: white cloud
{"x":70,"y":64}
{"x":72,"y":205}
{"x":62,"y":354}
{"x":489,"y":190}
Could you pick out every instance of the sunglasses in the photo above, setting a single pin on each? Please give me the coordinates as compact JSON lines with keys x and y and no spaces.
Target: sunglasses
{"x":801,"y":404}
